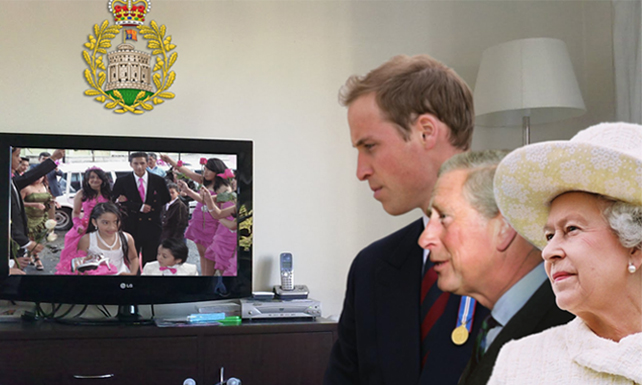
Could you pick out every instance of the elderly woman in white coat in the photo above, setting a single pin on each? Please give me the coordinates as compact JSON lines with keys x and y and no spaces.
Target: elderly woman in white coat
{"x":580,"y":201}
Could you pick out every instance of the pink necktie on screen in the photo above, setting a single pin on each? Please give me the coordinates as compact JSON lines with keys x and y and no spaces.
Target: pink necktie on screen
{"x":141,"y":189}
{"x":171,"y":269}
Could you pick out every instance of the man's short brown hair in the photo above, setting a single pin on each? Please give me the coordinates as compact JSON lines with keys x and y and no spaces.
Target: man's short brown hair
{"x":406,"y":87}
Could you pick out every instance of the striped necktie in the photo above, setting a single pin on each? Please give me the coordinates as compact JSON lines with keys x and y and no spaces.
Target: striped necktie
{"x":480,"y":342}
{"x":433,"y":303}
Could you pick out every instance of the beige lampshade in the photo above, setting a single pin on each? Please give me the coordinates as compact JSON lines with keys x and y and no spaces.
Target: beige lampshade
{"x":528,"y":77}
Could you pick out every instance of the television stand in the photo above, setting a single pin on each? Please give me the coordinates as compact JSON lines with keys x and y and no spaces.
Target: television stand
{"x":291,"y":353}
{"x":129,"y":314}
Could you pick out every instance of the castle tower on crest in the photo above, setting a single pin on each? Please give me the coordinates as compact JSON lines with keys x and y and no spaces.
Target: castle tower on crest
{"x":128,"y":69}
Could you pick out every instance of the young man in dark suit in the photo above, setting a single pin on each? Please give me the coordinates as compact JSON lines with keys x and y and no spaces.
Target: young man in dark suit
{"x":406,"y":118}
{"x":476,"y":252}
{"x":19,"y":229}
{"x":175,"y":215}
{"x":143,"y":196}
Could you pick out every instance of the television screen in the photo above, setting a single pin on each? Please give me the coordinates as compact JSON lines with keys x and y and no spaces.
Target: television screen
{"x":129,"y":220}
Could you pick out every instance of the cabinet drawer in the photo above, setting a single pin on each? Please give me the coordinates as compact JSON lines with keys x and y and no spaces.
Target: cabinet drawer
{"x":276,"y":358}
{"x":134,"y":361}
{"x":122,"y":361}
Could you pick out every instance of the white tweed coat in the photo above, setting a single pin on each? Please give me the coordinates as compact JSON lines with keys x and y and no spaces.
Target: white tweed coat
{"x":569,"y":354}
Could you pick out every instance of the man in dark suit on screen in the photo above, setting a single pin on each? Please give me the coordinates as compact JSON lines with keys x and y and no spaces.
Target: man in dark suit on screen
{"x":477,"y":253}
{"x":19,"y":229}
{"x":143,"y":196}
{"x":406,"y":118}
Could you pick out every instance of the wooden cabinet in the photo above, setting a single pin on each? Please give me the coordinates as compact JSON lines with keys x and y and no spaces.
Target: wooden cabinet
{"x":274,"y":353}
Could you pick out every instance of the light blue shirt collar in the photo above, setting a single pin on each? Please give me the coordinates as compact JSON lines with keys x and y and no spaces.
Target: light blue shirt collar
{"x":514,"y":299}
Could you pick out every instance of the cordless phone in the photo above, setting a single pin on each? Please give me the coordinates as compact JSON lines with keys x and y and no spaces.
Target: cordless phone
{"x":287,"y":272}
{"x":288,"y":290}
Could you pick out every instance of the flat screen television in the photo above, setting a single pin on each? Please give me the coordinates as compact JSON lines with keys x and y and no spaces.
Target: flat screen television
{"x":111,"y":154}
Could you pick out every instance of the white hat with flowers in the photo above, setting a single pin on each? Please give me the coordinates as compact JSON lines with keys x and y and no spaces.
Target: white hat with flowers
{"x":603,"y":159}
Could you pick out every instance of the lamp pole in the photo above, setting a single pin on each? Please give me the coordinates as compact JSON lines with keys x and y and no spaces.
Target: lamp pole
{"x":526,"y":124}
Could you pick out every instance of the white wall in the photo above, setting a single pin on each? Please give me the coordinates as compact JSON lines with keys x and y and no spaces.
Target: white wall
{"x":270,"y":71}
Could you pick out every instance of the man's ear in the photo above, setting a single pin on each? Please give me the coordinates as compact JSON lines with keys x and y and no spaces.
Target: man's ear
{"x":428,"y":127}
{"x":505,"y":234}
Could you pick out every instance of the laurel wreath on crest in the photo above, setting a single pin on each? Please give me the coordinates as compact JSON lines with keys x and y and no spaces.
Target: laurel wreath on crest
{"x":156,"y":41}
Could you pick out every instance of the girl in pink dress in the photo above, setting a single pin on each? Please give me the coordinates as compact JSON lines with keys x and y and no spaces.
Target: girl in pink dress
{"x":107,"y":243}
{"x":95,"y":189}
{"x":222,"y":250}
{"x":202,"y":226}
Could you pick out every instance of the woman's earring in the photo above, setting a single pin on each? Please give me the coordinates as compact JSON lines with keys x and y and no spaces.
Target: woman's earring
{"x":632,"y":268}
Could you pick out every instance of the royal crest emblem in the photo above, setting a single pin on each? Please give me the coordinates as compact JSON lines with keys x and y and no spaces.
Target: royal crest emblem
{"x":127,"y":79}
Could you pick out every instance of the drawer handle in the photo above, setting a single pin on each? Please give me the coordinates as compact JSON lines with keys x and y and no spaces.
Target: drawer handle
{"x":96,"y":377}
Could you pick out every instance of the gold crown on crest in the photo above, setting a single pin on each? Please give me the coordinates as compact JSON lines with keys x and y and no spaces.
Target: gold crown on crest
{"x":129,"y":12}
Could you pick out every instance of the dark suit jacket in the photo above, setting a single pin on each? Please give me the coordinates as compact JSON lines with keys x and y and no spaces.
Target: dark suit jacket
{"x":538,"y":314}
{"x":156,"y":196}
{"x":175,"y":220}
{"x":52,"y":180}
{"x":18,"y":217}
{"x":379,"y":329}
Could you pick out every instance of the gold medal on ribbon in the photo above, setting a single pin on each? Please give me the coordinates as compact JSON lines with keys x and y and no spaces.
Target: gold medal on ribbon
{"x":459,"y":335}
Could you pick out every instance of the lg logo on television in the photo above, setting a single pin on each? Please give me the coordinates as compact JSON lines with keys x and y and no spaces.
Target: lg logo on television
{"x":124,"y":285}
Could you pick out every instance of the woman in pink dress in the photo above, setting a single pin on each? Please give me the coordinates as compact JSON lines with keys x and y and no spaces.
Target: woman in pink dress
{"x":95,"y":189}
{"x":202,"y":226}
{"x":222,"y":250}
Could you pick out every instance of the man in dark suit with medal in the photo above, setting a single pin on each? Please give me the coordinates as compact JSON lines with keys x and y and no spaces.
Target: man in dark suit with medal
{"x":476,"y":252}
{"x":19,"y":229}
{"x":406,"y":118}
{"x":142,"y":195}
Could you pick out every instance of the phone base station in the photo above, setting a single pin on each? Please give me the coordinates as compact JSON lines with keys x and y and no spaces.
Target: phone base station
{"x":299,"y":292}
